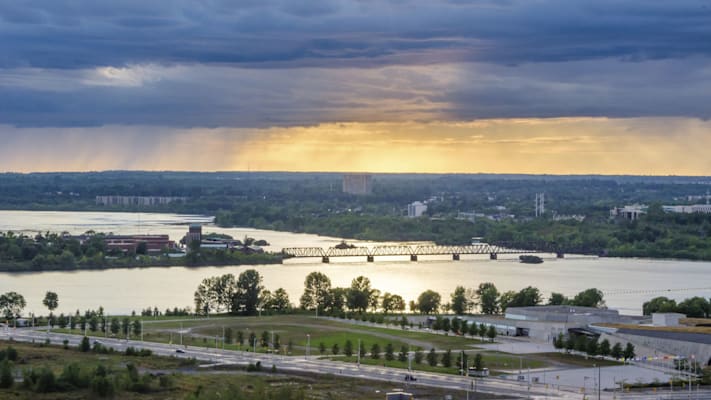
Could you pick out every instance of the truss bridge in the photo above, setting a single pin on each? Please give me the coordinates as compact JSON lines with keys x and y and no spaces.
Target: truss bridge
{"x":411,"y":251}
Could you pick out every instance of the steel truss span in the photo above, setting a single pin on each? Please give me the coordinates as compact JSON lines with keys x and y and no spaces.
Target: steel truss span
{"x":402,"y":250}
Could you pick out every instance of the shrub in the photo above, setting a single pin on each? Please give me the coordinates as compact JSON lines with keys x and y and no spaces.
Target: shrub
{"x":45,"y":381}
{"x":6,"y":379}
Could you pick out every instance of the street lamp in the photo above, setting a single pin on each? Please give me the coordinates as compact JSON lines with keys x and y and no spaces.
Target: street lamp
{"x":358,"y":353}
{"x":308,"y":344}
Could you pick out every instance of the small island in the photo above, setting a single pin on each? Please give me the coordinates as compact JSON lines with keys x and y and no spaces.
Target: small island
{"x":530,"y":259}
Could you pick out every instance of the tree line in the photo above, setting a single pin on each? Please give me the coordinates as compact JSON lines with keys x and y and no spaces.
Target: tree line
{"x":694,"y":307}
{"x":243,"y":295}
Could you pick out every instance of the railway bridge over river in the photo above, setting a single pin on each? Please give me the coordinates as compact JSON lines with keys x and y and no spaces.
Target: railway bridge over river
{"x":412,"y":251}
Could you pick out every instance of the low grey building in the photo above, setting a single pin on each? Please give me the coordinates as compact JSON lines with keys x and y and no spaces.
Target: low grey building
{"x":544,"y":323}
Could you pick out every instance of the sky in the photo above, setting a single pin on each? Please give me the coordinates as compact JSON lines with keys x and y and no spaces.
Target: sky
{"x":508,"y":86}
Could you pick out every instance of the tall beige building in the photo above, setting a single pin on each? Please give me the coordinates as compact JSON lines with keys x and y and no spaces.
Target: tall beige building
{"x":358,"y":183}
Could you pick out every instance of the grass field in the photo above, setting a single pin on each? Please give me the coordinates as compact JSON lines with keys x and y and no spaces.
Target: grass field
{"x":295,"y":328}
{"x":491,"y":359}
{"x":191,"y":383}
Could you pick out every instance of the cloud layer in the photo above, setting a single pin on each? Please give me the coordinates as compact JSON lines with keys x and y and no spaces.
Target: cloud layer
{"x":281,"y":63}
{"x":180,"y":71}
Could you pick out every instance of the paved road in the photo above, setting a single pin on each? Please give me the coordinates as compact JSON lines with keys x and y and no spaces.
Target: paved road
{"x":314,"y":365}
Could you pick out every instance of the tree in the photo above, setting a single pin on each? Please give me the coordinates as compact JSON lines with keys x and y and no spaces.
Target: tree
{"x":447,"y":358}
{"x":419,"y":356}
{"x":527,"y":297}
{"x":473,"y":329}
{"x":604,"y":348}
{"x":432,"y":358}
{"x":428,"y":302}
{"x":136,"y":327}
{"x":240,"y":338}
{"x":375,"y":351}
{"x":322,"y":348}
{"x":392,"y":302}
{"x":460,"y":302}
{"x":491,"y":332}
{"x":335,"y":349}
{"x":589,"y":298}
{"x":280,"y":300}
{"x":557,"y":299}
{"x":348,"y":348}
{"x":478,"y":362}
{"x":592,"y":347}
{"x":359,"y":294}
{"x":12,"y":304}
{"x":204,"y":297}
{"x":402,"y":355}
{"x":695,"y":307}
{"x":389,"y":352}
{"x":487,"y":297}
{"x":115,"y":326}
{"x":616,"y":351}
{"x":336,"y":301}
{"x":455,"y":325}
{"x":506,"y":300}
{"x":559,"y":341}
{"x":482,"y":330}
{"x":228,"y":335}
{"x":446,"y":324}
{"x":51,"y":301}
{"x":316,"y":291}
{"x":84,"y":346}
{"x":6,"y":378}
{"x":628,"y":352}
{"x":659,"y":305}
{"x":249,"y":287}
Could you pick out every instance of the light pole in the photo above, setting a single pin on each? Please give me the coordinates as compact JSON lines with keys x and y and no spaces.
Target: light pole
{"x":308,"y":344}
{"x":358,"y":353}
{"x":599,"y":382}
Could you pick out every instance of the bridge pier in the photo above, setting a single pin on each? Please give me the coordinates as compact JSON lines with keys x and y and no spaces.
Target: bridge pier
{"x":370,"y":258}
{"x":493,"y":256}
{"x":413,"y":257}
{"x":455,"y":257}
{"x":325,"y":260}
{"x":560,"y":254}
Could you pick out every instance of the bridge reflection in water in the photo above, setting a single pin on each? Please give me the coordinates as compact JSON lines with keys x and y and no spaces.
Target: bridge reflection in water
{"x":412,"y":251}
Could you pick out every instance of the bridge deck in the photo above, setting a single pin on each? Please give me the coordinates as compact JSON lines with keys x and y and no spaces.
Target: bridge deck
{"x":402,"y":250}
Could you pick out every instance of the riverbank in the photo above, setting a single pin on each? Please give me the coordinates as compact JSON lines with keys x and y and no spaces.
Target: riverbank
{"x":145,"y":262}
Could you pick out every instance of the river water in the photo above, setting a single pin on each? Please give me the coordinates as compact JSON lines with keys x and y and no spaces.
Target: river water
{"x":627,"y":283}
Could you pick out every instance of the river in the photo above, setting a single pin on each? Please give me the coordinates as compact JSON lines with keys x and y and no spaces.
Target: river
{"x":627,"y":283}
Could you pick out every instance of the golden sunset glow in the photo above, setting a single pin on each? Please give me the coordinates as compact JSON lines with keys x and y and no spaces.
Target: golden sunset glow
{"x":551,"y":146}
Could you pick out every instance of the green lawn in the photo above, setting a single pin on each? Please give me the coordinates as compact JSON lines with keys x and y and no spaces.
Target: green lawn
{"x":492,"y":360}
{"x":187,"y":379}
{"x":296,"y":328}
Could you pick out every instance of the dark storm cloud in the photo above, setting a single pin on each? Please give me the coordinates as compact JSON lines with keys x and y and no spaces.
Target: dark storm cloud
{"x":257,"y":63}
{"x":61,"y":34}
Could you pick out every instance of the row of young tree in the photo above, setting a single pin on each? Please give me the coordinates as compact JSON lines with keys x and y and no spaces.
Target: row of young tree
{"x":592,"y":347}
{"x":244,"y":295}
{"x":694,"y":307}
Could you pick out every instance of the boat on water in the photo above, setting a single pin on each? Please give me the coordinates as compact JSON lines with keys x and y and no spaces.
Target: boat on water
{"x":530,"y":259}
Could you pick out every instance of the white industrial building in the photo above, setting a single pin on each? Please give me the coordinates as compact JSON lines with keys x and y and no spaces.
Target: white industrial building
{"x":416,"y":209}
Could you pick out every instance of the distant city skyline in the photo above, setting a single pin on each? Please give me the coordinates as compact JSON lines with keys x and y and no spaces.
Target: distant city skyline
{"x":555,"y":86}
